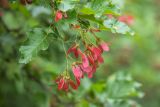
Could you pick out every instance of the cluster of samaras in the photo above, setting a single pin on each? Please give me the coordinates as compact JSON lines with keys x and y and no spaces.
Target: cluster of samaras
{"x":87,"y":61}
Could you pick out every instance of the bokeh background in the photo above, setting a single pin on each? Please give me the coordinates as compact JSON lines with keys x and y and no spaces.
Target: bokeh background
{"x":131,"y":58}
{"x":140,"y":54}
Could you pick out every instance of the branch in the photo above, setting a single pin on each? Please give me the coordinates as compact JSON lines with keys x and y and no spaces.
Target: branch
{"x":4,"y":4}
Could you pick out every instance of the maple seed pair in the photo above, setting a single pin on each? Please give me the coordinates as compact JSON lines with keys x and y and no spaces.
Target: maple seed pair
{"x":64,"y":83}
{"x":59,"y":15}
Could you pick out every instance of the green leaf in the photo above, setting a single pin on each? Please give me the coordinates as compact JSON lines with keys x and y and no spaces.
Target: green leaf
{"x":117,"y":27}
{"x":66,"y":5}
{"x":71,"y":17}
{"x":112,"y":10}
{"x":36,"y":41}
{"x":86,"y":10}
{"x":121,"y":85}
{"x":45,"y":3}
{"x":118,"y":3}
{"x":11,"y":21}
{"x":122,"y":28}
{"x":96,"y":7}
{"x":121,"y":103}
{"x":98,"y":87}
{"x":91,"y":18}
{"x":99,"y":7}
{"x":83,"y":103}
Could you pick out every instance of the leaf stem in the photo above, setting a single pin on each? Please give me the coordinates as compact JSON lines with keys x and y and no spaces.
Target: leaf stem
{"x":65,"y":55}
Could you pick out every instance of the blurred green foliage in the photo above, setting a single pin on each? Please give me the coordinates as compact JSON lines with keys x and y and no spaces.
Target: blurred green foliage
{"x":32,"y":84}
{"x":140,"y":54}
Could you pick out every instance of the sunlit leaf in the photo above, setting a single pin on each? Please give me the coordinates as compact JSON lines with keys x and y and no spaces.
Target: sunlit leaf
{"x":117,"y":26}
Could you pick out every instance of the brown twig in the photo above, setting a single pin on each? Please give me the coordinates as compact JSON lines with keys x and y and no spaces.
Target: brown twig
{"x":4,"y":4}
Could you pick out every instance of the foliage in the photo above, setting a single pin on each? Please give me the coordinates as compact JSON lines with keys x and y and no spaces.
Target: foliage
{"x":38,"y":35}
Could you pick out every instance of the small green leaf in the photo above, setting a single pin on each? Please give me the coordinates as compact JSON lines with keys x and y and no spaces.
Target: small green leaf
{"x":117,"y":27}
{"x":11,"y":21}
{"x":91,"y":18}
{"x":36,"y":41}
{"x":112,"y":10}
{"x":99,"y":8}
{"x":66,"y":5}
{"x":122,"y":28}
{"x":72,"y":17}
{"x":87,"y":11}
{"x":121,"y":85}
{"x":121,"y":103}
